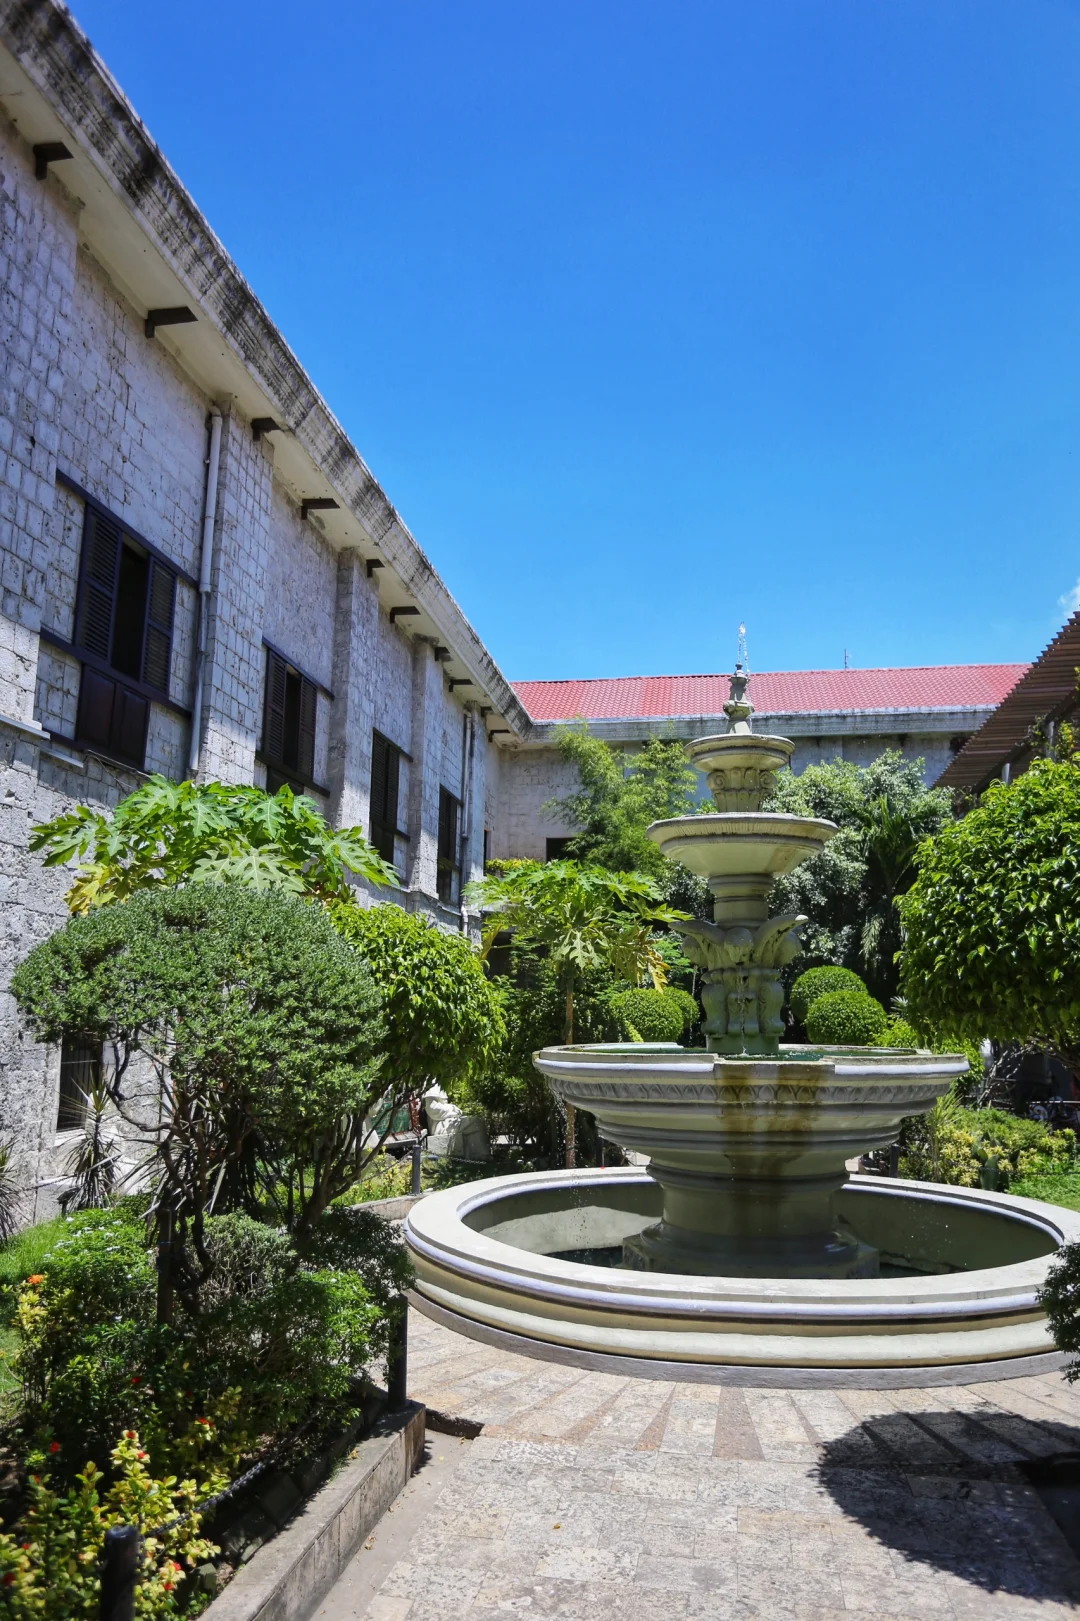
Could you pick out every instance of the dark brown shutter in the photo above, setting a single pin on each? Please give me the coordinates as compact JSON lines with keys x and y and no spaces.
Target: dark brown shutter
{"x":379,"y":753}
{"x":160,"y":603}
{"x":93,"y":725}
{"x":97,"y":584}
{"x":112,"y":718}
{"x":274,"y":711}
{"x":305,"y":749}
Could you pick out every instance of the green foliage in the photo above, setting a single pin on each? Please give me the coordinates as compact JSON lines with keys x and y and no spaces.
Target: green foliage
{"x":992,"y":943}
{"x":1063,"y":1189}
{"x":514,"y":1097}
{"x":21,"y":1254}
{"x":621,"y":792}
{"x":817,"y":982}
{"x":647,"y":1015}
{"x":168,"y":833}
{"x":845,"y":1019}
{"x":899,"y":1034}
{"x":1060,"y":1299}
{"x":279,"y":1335}
{"x":988,"y":1147}
{"x":650,"y":1015}
{"x":850,"y":891}
{"x":49,"y":1566}
{"x":582,"y":917}
{"x":443,"y":1019}
{"x":260,"y":1025}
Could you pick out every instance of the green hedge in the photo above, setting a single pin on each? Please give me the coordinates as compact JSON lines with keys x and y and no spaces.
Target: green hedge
{"x":845,"y":1019}
{"x":819,"y":982}
{"x":648,"y":1015}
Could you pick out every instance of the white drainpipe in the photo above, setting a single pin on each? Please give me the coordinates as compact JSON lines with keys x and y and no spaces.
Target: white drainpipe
{"x":213,"y":462}
{"x":468,"y":747}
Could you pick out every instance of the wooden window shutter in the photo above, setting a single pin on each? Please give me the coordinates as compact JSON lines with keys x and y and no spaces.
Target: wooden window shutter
{"x":379,"y":762}
{"x":97,"y":584}
{"x":274,"y":711}
{"x":157,"y":642}
{"x":305,"y":749}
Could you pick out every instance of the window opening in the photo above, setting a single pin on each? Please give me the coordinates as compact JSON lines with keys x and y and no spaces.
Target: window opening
{"x":385,"y":791}
{"x":80,"y":1073}
{"x":449,"y":857}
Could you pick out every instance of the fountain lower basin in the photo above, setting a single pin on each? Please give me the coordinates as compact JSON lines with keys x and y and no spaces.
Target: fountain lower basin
{"x":487,"y":1258}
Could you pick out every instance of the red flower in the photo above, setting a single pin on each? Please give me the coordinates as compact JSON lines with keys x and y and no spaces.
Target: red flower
{"x":9,"y":1578}
{"x":55,"y":1447}
{"x":36,"y":1277}
{"x":205,"y":1421}
{"x":136,"y":1378}
{"x":129,"y":1435}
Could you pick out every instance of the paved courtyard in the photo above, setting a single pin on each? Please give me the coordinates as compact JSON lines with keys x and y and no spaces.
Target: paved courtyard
{"x":589,"y":1496}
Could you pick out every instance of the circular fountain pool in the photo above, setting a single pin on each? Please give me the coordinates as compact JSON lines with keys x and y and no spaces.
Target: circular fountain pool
{"x":956,"y":1299}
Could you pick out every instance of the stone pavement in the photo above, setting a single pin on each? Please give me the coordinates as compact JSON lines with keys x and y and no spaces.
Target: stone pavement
{"x":590,"y":1496}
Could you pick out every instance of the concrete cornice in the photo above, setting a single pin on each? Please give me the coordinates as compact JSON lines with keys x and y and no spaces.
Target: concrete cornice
{"x":53,"y":84}
{"x":820,"y":723}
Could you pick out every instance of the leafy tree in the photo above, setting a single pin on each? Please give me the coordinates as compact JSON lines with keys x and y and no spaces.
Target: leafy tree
{"x":443,"y":1018}
{"x":992,"y":927}
{"x":246,"y":1035}
{"x":850,"y":891}
{"x":168,"y":833}
{"x":621,"y":792}
{"x":580,"y":917}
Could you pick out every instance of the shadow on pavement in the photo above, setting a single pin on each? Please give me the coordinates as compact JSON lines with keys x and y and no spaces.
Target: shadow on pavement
{"x":992,"y":1498}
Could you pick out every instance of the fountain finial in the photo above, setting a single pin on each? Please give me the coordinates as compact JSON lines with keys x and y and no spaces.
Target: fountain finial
{"x":738,"y":708}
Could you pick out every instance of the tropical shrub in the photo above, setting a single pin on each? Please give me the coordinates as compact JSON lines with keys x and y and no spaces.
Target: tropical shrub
{"x":650,"y":1015}
{"x":255,"y":1025}
{"x":817,"y":982}
{"x":850,"y":891}
{"x":992,"y":929}
{"x":845,"y":1019}
{"x":969,"y":1147}
{"x":49,"y":1566}
{"x":169,"y":833}
{"x":278,"y":1336}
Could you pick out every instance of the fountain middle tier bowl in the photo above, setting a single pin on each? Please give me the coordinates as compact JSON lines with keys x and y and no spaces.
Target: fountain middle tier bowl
{"x":737,"y":843}
{"x":749,"y":1152}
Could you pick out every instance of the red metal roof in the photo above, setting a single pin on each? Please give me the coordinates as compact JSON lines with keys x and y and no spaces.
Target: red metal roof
{"x":773,"y":692}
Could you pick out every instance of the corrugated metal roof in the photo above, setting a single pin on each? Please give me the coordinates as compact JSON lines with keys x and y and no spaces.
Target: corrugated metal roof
{"x":775,"y":692}
{"x":1047,"y":687}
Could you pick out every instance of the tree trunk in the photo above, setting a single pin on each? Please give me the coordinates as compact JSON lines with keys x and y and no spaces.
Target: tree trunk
{"x":165,"y":1258}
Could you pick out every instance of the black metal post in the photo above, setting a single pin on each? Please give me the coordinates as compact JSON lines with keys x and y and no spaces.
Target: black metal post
{"x":397,"y":1361}
{"x":417,"y":1155}
{"x":894,"y":1160}
{"x":119,"y":1573}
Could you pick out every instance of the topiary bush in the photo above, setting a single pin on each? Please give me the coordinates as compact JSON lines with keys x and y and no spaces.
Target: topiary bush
{"x":647,"y":1015}
{"x":819,"y":982}
{"x":845,"y":1019}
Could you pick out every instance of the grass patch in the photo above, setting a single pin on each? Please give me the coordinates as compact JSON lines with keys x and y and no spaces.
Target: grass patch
{"x":1062,"y":1190}
{"x":22,"y":1255}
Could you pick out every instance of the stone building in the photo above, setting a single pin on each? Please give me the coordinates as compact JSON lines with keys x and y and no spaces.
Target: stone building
{"x":200,"y":576}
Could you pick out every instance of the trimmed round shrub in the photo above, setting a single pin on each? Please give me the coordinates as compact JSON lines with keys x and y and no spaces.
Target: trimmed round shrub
{"x":647,"y":1015}
{"x":846,"y":1019}
{"x":691,"y":1012}
{"x":819,"y":982}
{"x":898,"y":1034}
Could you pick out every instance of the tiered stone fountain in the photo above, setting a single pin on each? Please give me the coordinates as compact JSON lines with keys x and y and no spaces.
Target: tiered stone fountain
{"x":766,"y":1256}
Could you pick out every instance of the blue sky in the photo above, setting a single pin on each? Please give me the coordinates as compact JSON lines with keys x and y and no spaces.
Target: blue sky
{"x":652,"y":318}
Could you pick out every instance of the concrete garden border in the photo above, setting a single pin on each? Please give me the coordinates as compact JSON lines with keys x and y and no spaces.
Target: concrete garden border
{"x":289,"y":1574}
